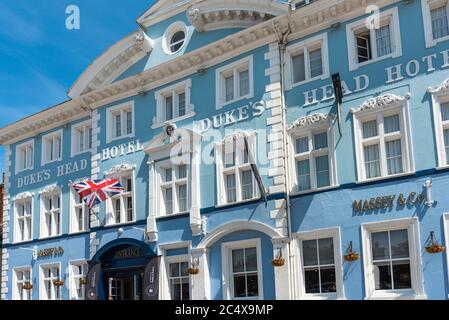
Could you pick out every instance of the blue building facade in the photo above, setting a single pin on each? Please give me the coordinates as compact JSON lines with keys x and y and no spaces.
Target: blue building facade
{"x":178,"y":111}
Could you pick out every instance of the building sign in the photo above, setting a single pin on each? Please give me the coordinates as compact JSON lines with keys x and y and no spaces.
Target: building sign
{"x":121,"y":150}
{"x":132,"y":252}
{"x":390,"y":201}
{"x":49,"y":252}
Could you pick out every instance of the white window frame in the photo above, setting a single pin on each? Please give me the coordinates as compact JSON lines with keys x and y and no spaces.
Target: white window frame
{"x":15,"y":293}
{"x":25,"y":145}
{"x":45,"y":156}
{"x":304,"y":46}
{"x":221,"y":171}
{"x":395,"y":34}
{"x":165,"y":274}
{"x":73,"y":278}
{"x":220,"y":83}
{"x":85,"y":126}
{"x":446,"y":239}
{"x":173,"y":91}
{"x":335,"y":234}
{"x":110,"y":212}
{"x":42,"y":294}
{"x":226,"y":265}
{"x":427,"y":6}
{"x":439,"y":98}
{"x":312,"y":154}
{"x":408,"y":164}
{"x":169,"y":33}
{"x":174,"y":183}
{"x":43,"y":226}
{"x":74,"y":206}
{"x":412,"y":226}
{"x":29,"y":200}
{"x":110,"y":121}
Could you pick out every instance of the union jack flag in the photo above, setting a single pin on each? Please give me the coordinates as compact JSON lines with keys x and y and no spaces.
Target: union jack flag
{"x":94,"y":192}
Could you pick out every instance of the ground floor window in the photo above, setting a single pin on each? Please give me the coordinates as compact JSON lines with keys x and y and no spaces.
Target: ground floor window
{"x":78,"y":272}
{"x":179,"y":281}
{"x":22,"y":284}
{"x":49,"y":277}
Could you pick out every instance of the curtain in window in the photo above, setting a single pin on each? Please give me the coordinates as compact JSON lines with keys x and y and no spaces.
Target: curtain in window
{"x":391,"y":124}
{"x":316,"y":63}
{"x":445,"y":111}
{"x":320,"y":141}
{"x":230,"y":188}
{"x":394,"y":156}
{"x":129,"y":122}
{"x":446,"y":144}
{"x":118,"y":125}
{"x":303,"y":175}
{"x":369,"y":129}
{"x":299,"y":71}
{"x":383,"y":41}
{"x":247,"y":185}
{"x":322,"y":171}
{"x":440,"y":26}
{"x":229,"y":88}
{"x":372,"y":165}
{"x":244,"y":82}
{"x":302,"y":145}
{"x":182,"y":198}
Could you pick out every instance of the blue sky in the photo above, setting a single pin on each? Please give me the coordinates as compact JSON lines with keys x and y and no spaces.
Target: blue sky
{"x":40,"y":58}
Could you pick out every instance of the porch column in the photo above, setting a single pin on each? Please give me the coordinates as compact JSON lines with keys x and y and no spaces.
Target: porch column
{"x":201,"y":281}
{"x":282,"y":274}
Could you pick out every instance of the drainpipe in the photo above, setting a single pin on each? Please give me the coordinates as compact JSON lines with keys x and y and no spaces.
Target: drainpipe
{"x":282,"y":44}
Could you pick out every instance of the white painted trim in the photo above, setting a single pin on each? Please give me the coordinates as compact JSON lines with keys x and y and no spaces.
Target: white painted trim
{"x":41,"y":277}
{"x":169,"y":33}
{"x":427,"y":21}
{"x":15,"y":295}
{"x":72,"y":213}
{"x":15,"y":217}
{"x":219,"y":81}
{"x":319,"y":40}
{"x":446,"y":239}
{"x":395,"y":34}
{"x":19,"y":146}
{"x":72,"y":263}
{"x":42,"y":226}
{"x":109,"y":121}
{"x":412,"y":226}
{"x":226,"y":265}
{"x":74,"y":141}
{"x":165,"y":286}
{"x":335,"y":234}
{"x":53,"y":134}
{"x":439,"y":98}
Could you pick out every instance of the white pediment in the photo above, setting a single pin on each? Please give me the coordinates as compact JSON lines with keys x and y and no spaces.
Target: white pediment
{"x":380,"y":102}
{"x":309,"y":121}
{"x":442,"y":88}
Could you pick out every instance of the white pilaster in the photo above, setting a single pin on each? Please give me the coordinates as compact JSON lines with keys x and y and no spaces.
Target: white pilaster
{"x":95,"y":162}
{"x":201,"y":281}
{"x":152,"y":205}
{"x":195,"y":216}
{"x":282,"y":274}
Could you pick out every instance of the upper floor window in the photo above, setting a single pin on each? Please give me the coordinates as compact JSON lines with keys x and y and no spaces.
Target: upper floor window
{"x":173,"y":103}
{"x":22,"y":277}
{"x":23,"y":221}
{"x":234,"y":82}
{"x":120,"y":207}
{"x":120,"y":122}
{"x":368,"y":43}
{"x":78,"y":272}
{"x":25,"y":156}
{"x":52,"y":147}
{"x":79,"y":214}
{"x":383,"y":141}
{"x":235,"y":177}
{"x":174,"y":182}
{"x":174,"y":38}
{"x":48,"y":289}
{"x":436,"y":23}
{"x":51,"y":214}
{"x":307,"y":61}
{"x":81,"y":137}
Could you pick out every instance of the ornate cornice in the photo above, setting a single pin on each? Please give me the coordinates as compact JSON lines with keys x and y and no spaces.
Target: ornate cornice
{"x":23,"y":196}
{"x":119,"y":169}
{"x":54,"y":188}
{"x":78,"y":180}
{"x":442,"y":88}
{"x":310,"y":120}
{"x":237,"y":136}
{"x":380,"y":102}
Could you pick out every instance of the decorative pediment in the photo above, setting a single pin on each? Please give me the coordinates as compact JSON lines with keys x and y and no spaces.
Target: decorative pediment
{"x":380,"y":102}
{"x":217,"y":14}
{"x":442,"y":88}
{"x":78,"y":180}
{"x":119,"y":169}
{"x":23,"y":196}
{"x":237,"y":136}
{"x":310,"y":120}
{"x":54,"y":188}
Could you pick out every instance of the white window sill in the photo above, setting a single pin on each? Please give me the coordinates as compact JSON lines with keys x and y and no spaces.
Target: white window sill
{"x":49,"y":237}
{"x":332,"y":296}
{"x":224,"y":104}
{"x":52,"y":161}
{"x":128,"y":136}
{"x":120,"y":224}
{"x":74,"y":233}
{"x":161,"y":124}
{"x":297,"y":84}
{"x":235,"y":203}
{"x":442,"y":167}
{"x":386,"y":178}
{"x":397,"y":296}
{"x":434,"y":42}
{"x":22,"y":241}
{"x":172,"y":215}
{"x":363,"y":64}
{"x":75,"y":154}
{"x":23,"y":170}
{"x":296,"y":193}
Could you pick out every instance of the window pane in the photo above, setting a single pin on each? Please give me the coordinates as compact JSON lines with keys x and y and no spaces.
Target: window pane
{"x":445,"y":111}
{"x":174,"y":270}
{"x":312,"y":280}
{"x":322,"y":171}
{"x":230,"y":188}
{"x":129,"y":122}
{"x":182,"y":198}
{"x":185,"y":289}
{"x":229,"y":155}
{"x":169,"y":200}
{"x":372,"y":165}
{"x":391,"y":124}
{"x":394,"y":157}
{"x":446,"y":144}
{"x":439,"y":22}
{"x":303,"y":175}
{"x":177,"y":41}
{"x":182,"y":171}
{"x":129,"y":209}
{"x":316,"y":64}
{"x":399,"y":244}
{"x":320,"y":140}
{"x":326,"y":249}
{"x":251,"y":259}
{"x":118,"y":125}
{"x":383,"y":41}
{"x":176,"y":289}
{"x":382,"y":275}
{"x":310,"y":256}
{"x":302,"y":145}
{"x":168,"y":174}
{"x":363,"y":42}
{"x":379,"y":243}
{"x":229,"y":88}
{"x":184,"y":268}
{"x":238,"y":264}
{"x":401,"y":275}
{"x":247,"y":184}
{"x":169,"y":108}
{"x":299,"y":70}
{"x":181,"y":104}
{"x":239,"y":286}
{"x":244,"y":82}
{"x":252,"y":285}
{"x":369,"y":129}
{"x":328,"y":283}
